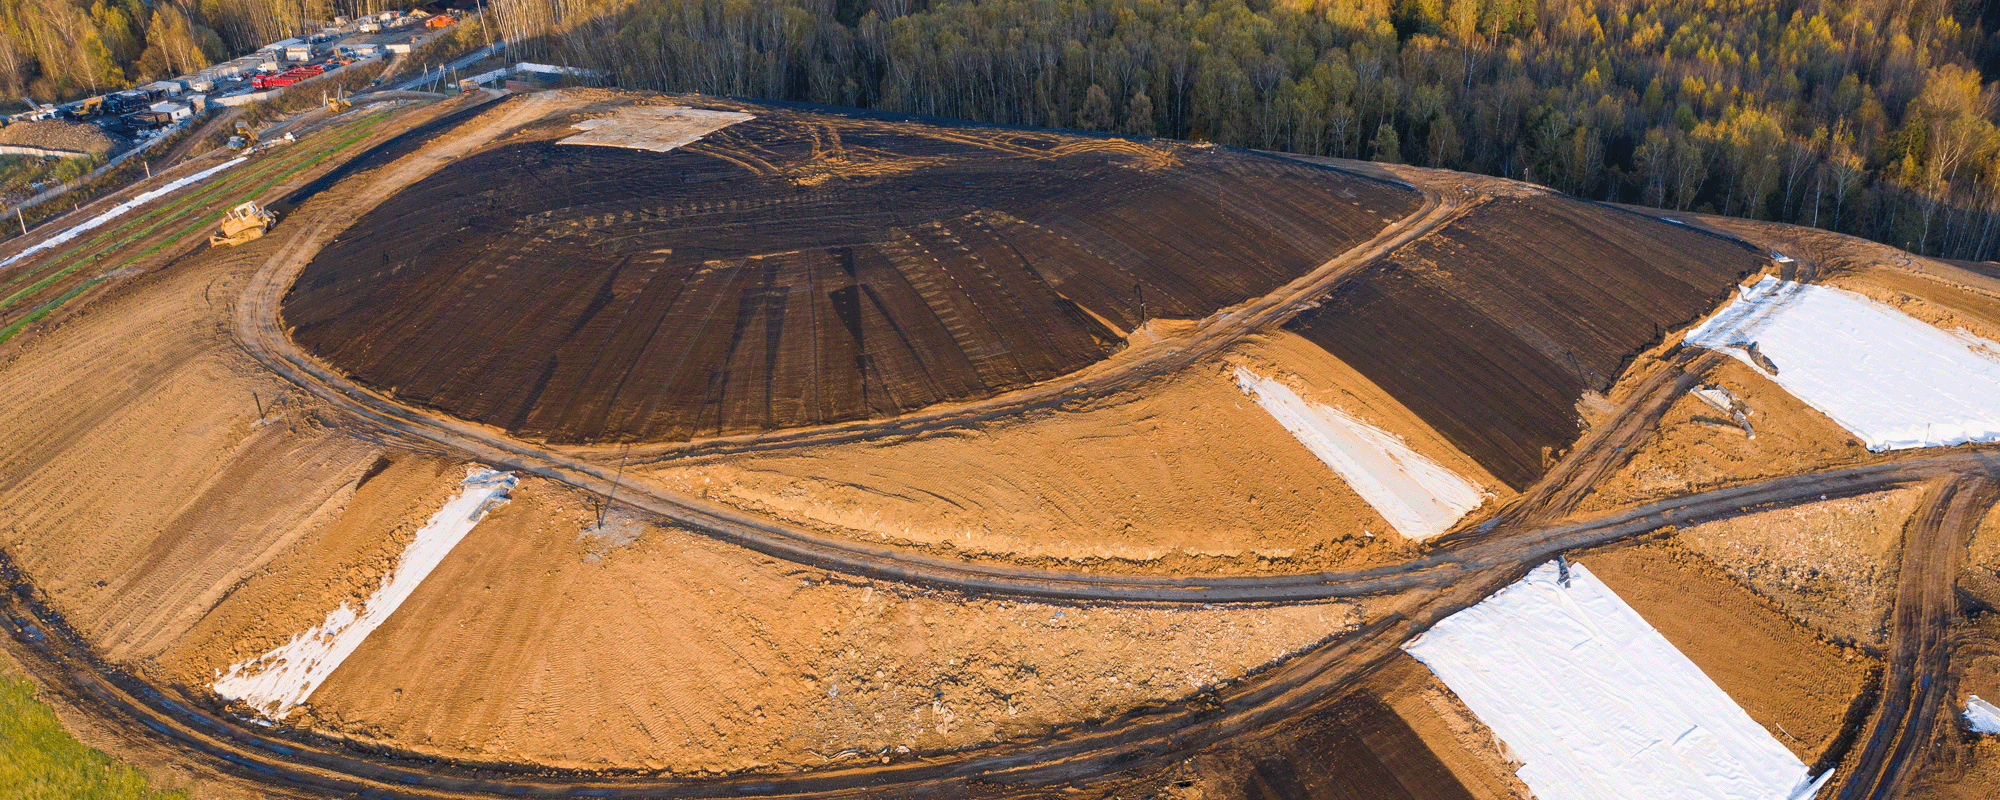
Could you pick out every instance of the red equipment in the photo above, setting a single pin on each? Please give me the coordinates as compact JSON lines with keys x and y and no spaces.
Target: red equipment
{"x":286,"y":78}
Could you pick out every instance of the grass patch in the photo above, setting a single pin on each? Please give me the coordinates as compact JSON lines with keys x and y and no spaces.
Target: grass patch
{"x":43,"y":310}
{"x":173,"y":208}
{"x":38,"y":759}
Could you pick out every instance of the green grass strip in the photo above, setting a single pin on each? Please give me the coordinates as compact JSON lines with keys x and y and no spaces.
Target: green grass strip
{"x":305,"y":159}
{"x":44,"y":309}
{"x":176,"y":205}
{"x":178,"y":208}
{"x":38,"y":759}
{"x":174,"y":208}
{"x":182,"y":203}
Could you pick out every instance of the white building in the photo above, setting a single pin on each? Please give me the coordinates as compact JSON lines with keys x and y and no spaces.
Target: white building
{"x":174,"y":111}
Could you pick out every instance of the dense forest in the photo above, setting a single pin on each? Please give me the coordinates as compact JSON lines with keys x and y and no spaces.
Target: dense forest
{"x":1868,"y":116}
{"x":58,"y":50}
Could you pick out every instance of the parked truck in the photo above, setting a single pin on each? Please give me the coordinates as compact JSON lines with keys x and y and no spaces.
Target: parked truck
{"x":286,"y":78}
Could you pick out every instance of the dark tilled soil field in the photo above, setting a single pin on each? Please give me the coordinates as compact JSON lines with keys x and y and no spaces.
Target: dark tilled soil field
{"x":1357,"y":748}
{"x":1493,"y":328}
{"x":800,"y":269}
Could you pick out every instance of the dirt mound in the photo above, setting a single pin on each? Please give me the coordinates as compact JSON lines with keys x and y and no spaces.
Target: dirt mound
{"x":799,"y":269}
{"x":56,"y":135}
{"x":1492,"y":329}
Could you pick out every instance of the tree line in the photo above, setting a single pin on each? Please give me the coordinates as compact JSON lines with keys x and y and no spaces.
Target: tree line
{"x":60,"y":50}
{"x":1871,"y":117}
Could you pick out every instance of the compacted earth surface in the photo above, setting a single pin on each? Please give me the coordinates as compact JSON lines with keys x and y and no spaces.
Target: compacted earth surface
{"x":846,"y":452}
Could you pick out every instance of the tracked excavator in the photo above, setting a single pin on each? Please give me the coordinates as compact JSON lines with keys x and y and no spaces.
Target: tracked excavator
{"x":242,"y":224}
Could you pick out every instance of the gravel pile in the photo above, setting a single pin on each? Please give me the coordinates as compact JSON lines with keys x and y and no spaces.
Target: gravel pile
{"x":57,"y":135}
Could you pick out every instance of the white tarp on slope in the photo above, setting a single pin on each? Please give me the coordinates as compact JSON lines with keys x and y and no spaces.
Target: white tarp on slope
{"x":1981,"y":716}
{"x":1597,"y":704}
{"x":1418,"y":496}
{"x":1889,"y":379}
{"x":276,"y":681}
{"x":656,"y":128}
{"x":120,"y":209}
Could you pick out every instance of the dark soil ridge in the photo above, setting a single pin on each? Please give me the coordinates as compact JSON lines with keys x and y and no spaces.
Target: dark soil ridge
{"x":801,"y":269}
{"x":1493,"y":328}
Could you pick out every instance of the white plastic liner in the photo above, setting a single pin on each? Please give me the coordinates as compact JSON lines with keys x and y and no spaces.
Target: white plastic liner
{"x":275,"y":682}
{"x":656,"y":128}
{"x":1597,"y":704}
{"x":115,"y":211}
{"x":1891,"y":380}
{"x":1981,"y":716}
{"x":1418,"y":496}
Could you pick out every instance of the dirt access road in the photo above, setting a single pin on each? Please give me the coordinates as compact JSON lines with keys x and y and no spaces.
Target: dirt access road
{"x":1444,"y":581}
{"x":1918,"y":684}
{"x":257,"y":327}
{"x":1088,"y":754}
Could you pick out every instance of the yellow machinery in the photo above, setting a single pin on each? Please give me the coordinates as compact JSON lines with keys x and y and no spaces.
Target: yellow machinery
{"x":245,"y":137}
{"x":338,"y":102}
{"x":243,"y":223}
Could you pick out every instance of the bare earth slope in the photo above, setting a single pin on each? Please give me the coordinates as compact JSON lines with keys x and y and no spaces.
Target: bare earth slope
{"x":1492,"y":329}
{"x":800,"y":269}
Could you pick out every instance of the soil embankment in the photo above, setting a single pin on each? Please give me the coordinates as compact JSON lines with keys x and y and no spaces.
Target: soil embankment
{"x":800,"y":269}
{"x":1493,"y":328}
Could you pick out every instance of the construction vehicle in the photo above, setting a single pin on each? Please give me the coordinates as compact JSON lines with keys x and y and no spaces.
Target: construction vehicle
{"x":245,"y":137}
{"x":242,"y":224}
{"x":87,"y":108}
{"x":338,"y":102}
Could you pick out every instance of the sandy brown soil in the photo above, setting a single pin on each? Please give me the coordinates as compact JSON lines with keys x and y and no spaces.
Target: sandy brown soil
{"x":140,"y":485}
{"x":1696,"y":448}
{"x":1966,"y":766}
{"x":1830,"y":564}
{"x":1470,"y":749}
{"x":181,"y":534}
{"x":1795,"y":683}
{"x":1183,"y":474}
{"x":675,"y":652}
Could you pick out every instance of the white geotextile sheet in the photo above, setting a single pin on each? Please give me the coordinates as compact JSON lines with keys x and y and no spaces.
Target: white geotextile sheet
{"x":275,"y":682}
{"x":120,"y":209}
{"x":1981,"y":716}
{"x":1891,"y":380}
{"x":1597,"y":704}
{"x":1418,"y":496}
{"x":656,"y":128}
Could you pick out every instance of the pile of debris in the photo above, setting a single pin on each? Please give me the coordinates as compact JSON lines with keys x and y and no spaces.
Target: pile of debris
{"x":1727,"y":402}
{"x":56,"y":138}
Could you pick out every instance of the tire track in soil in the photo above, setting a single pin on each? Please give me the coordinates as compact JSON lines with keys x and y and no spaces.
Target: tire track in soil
{"x":1080,"y":755}
{"x":1452,"y":579}
{"x":1915,"y":687}
{"x":257,"y":320}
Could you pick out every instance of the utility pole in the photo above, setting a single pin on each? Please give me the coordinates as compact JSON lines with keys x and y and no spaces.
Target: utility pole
{"x":260,"y":405}
{"x":608,"y":496}
{"x":18,"y":217}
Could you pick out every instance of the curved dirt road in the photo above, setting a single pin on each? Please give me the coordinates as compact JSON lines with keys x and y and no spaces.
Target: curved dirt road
{"x":1915,"y":688}
{"x":1452,"y":576}
{"x":257,"y":328}
{"x":1446,"y":582}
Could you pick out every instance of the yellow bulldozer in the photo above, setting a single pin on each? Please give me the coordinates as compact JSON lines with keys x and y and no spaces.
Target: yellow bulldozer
{"x":245,"y":137}
{"x":243,"y":223}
